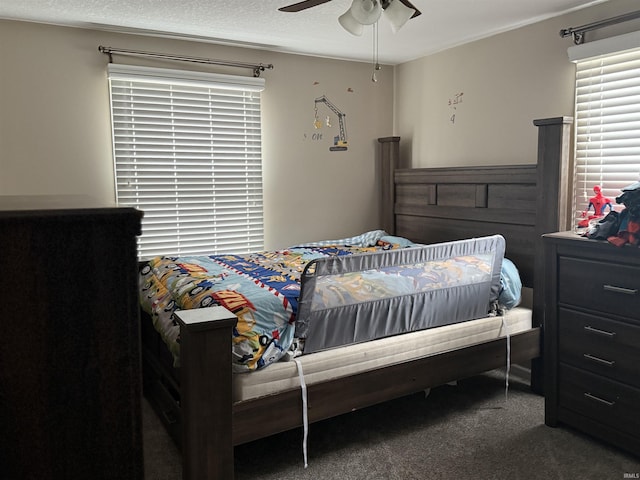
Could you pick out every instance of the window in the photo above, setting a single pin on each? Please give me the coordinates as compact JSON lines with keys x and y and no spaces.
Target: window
{"x":607,"y":124}
{"x":187,"y":148}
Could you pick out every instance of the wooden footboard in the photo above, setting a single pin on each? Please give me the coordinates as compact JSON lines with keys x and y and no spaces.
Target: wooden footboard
{"x":336,"y":397}
{"x":521,"y":202}
{"x":212,"y":424}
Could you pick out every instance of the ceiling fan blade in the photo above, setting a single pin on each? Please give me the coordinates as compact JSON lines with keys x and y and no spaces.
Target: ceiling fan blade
{"x":297,"y":7}
{"x":410,"y":5}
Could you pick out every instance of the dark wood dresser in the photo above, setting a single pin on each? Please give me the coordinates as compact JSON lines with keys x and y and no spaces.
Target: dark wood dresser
{"x":70,"y":387}
{"x":592,"y":338}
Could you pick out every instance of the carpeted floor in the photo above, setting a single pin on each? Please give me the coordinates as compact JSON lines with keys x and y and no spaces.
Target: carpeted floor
{"x":462,"y":431}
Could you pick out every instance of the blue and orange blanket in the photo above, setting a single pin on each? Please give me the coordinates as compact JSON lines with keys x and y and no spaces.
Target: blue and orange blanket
{"x":261,"y":289}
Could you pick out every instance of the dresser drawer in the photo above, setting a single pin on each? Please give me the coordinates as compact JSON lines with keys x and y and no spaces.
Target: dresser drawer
{"x":602,"y":286}
{"x":600,"y":345}
{"x":603,"y":400}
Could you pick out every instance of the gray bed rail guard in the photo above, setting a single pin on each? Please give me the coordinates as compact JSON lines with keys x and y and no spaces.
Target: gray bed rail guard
{"x":395,"y":314}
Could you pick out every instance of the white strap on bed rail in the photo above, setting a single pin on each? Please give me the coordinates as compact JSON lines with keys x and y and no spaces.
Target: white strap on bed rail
{"x":506,"y":377}
{"x":305,"y":416}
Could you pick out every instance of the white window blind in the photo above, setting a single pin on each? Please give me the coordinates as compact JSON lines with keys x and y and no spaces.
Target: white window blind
{"x":607,"y":125}
{"x":187,"y":148}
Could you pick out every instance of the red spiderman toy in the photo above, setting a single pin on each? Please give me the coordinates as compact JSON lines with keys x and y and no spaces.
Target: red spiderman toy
{"x":599,"y":203}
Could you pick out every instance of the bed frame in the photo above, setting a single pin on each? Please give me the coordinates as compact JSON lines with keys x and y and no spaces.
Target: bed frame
{"x":427,"y":205}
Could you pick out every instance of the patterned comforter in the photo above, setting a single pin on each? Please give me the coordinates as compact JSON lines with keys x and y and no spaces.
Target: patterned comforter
{"x":262,"y":289}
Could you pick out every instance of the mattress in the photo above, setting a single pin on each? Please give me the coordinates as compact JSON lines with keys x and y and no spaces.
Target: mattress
{"x":352,"y":359}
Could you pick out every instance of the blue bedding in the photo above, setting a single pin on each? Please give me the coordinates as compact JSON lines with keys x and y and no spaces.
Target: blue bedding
{"x":263,"y":289}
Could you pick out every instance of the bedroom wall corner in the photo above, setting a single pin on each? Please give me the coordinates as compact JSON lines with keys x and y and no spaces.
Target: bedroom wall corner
{"x":474,"y":104}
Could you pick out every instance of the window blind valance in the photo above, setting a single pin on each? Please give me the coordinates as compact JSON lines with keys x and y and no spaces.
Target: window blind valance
{"x":606,"y":46}
{"x":187,"y":152}
{"x":184,"y":77}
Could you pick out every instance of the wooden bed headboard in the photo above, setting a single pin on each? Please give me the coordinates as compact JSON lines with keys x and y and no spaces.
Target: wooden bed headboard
{"x":520,"y":202}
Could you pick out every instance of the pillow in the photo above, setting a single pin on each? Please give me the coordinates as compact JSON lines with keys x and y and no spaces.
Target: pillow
{"x":367,"y":239}
{"x":510,"y":285}
{"x":395,"y":242}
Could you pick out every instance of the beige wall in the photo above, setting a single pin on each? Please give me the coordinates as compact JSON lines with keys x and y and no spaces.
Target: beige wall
{"x":507,"y":81}
{"x":55,"y":126}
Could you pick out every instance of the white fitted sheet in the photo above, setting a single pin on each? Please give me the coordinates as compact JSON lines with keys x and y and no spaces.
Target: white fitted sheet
{"x":344,"y":361}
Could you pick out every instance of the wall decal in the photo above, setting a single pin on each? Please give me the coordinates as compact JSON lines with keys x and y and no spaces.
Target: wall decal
{"x":339,"y":141}
{"x":453,"y":104}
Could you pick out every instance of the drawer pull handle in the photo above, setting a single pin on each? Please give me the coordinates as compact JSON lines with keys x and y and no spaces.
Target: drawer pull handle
{"x":601,"y":361}
{"x":591,"y":329}
{"x":626,"y":291}
{"x":599,"y":400}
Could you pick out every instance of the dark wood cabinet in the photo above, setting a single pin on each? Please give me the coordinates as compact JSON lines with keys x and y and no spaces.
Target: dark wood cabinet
{"x":592,"y":338}
{"x":70,"y":388}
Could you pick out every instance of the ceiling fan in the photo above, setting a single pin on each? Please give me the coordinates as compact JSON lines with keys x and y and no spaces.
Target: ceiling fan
{"x":297,"y":7}
{"x":365,"y":12}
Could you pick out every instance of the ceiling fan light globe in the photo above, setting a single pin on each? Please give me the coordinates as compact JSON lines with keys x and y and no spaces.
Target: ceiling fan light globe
{"x":350,"y":24}
{"x":397,"y":13}
{"x":366,"y":12}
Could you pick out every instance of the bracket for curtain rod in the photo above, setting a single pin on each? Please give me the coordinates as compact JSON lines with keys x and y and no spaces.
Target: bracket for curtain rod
{"x":257,"y":69}
{"x":578,"y":32}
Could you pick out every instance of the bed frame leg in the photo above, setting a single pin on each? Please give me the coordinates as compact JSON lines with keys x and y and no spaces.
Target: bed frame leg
{"x":206,"y":393}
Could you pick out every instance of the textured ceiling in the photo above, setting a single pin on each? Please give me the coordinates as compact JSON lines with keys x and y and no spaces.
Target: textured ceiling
{"x":259,"y":24}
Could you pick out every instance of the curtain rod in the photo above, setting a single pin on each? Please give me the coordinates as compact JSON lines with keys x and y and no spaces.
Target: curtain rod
{"x":180,"y":58}
{"x":578,"y":32}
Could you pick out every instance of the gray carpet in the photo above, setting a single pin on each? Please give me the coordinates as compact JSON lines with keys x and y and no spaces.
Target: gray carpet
{"x":462,"y":431}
